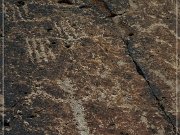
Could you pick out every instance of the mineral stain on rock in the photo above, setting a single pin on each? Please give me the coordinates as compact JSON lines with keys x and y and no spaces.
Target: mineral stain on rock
{"x":91,"y":67}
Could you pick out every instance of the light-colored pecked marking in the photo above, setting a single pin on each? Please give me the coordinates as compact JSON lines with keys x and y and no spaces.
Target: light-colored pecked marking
{"x":39,"y":47}
{"x":42,"y":50}
{"x":34,"y":46}
{"x":76,"y":106}
{"x":170,"y":83}
{"x":30,"y":51}
{"x":78,"y":112}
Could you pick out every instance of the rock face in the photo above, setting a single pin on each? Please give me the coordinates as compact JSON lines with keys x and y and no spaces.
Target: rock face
{"x":90,"y":67}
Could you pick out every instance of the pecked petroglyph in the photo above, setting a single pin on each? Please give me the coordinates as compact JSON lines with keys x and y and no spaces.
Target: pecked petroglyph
{"x":81,"y":76}
{"x":38,"y":50}
{"x":76,"y":106}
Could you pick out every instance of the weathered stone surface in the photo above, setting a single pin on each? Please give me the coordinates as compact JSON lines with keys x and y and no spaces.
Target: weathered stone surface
{"x":90,"y":67}
{"x":152,"y":45}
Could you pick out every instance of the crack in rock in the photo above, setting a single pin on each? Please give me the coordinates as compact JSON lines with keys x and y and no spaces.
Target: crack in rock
{"x":153,"y":91}
{"x":101,"y":5}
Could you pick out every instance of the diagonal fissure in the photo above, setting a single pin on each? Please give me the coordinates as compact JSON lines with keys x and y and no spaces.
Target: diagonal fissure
{"x":153,"y":90}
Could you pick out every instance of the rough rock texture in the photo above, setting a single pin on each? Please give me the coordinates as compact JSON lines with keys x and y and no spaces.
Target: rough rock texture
{"x":90,"y":67}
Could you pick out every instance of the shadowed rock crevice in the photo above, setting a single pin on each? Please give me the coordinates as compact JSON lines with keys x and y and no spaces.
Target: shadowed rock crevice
{"x":155,"y":92}
{"x":100,"y":5}
{"x":69,"y":2}
{"x":104,"y":5}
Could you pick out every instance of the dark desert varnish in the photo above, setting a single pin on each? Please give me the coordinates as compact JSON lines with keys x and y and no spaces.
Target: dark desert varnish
{"x":102,"y":6}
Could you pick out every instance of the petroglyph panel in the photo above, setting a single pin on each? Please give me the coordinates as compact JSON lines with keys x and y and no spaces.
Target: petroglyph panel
{"x":73,"y":69}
